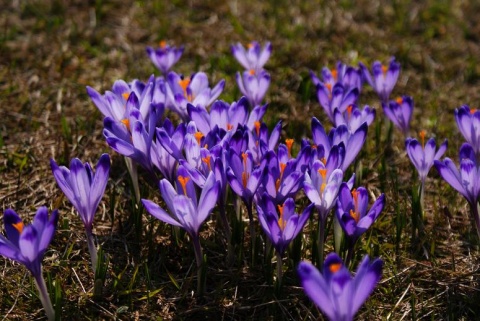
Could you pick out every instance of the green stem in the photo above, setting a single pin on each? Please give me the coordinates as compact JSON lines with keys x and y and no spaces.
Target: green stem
{"x":321,"y":239}
{"x":475,"y":213}
{"x":92,"y":249}
{"x":279,"y":270}
{"x":200,"y":269}
{"x":44,"y":297}
{"x":132,"y":170}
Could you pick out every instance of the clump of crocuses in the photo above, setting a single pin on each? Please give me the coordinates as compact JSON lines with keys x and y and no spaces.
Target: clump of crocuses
{"x":84,"y":189}
{"x":335,"y":291}
{"x":27,"y":244}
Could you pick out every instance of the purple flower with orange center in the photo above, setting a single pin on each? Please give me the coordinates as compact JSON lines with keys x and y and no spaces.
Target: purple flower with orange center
{"x":280,"y":222}
{"x":384,"y":77}
{"x":468,"y":122}
{"x":194,"y":90}
{"x":354,"y":117}
{"x":253,"y":85}
{"x":422,"y":155}
{"x":27,"y":244}
{"x":260,"y":141}
{"x":348,"y":76}
{"x":254,"y":56}
{"x":336,"y":292}
{"x":353,"y":215}
{"x":336,"y":97}
{"x":164,"y":56}
{"x":400,"y":111}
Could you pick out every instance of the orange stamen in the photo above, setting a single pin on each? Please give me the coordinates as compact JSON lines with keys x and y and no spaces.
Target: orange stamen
{"x":251,"y":72}
{"x":198,"y":136}
{"x":257,"y":127}
{"x":162,"y":44}
{"x":329,"y":87}
{"x":18,"y":226}
{"x":422,"y":135}
{"x":125,"y":95}
{"x":229,"y":127}
{"x":473,"y":110}
{"x":334,"y":267}
{"x":354,"y":215}
{"x":399,"y":100}
{"x":244,"y":179}
{"x":183,"y":180}
{"x":206,"y":160}
{"x":289,"y":142}
{"x":184,"y":84}
{"x":313,"y":146}
{"x":355,"y":198}
{"x":334,"y":74}
{"x":384,"y":69}
{"x":323,"y":173}
{"x":244,"y":174}
{"x":281,"y":221}
{"x":126,"y":122}
{"x":349,"y":110}
{"x":323,"y":160}
{"x":282,"y":169}
{"x":250,"y":45}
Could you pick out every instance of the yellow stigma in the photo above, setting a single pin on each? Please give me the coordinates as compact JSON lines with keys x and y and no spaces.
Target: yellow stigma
{"x":257,"y":127}
{"x":334,"y":74}
{"x":18,"y":226}
{"x":422,"y":135}
{"x":384,"y":69}
{"x":354,"y":215}
{"x":125,"y":95}
{"x":162,"y":44}
{"x":198,"y":136}
{"x":289,"y":142}
{"x":184,"y":84}
{"x":126,"y":122}
{"x":206,"y":160}
{"x":323,"y":173}
{"x":183,"y":180}
{"x":281,"y":221}
{"x":334,"y":267}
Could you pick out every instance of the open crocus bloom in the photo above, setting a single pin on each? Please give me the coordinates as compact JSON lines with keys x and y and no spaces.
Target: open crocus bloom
{"x":400,"y":111}
{"x":165,"y":56}
{"x":254,"y":57}
{"x":253,"y":85}
{"x":468,"y":122}
{"x":422,"y":155}
{"x":384,"y":77}
{"x":27,"y":244}
{"x":336,"y":292}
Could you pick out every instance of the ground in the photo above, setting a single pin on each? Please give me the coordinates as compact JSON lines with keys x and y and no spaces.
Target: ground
{"x":50,"y":50}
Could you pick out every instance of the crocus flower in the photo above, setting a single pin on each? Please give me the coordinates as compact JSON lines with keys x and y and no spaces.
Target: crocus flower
{"x":354,"y":117}
{"x":27,"y":245}
{"x":384,"y":77}
{"x":194,"y":90}
{"x":165,"y":56}
{"x":284,"y":224}
{"x":336,"y":97}
{"x":260,"y":141}
{"x":400,"y":111}
{"x":353,"y":215}
{"x":254,"y":57}
{"x":348,"y":76}
{"x":84,"y":189}
{"x":422,"y":155}
{"x":353,"y":141}
{"x":468,"y":122}
{"x":186,"y":211}
{"x":465,"y":180}
{"x":254,"y":85}
{"x":336,"y":292}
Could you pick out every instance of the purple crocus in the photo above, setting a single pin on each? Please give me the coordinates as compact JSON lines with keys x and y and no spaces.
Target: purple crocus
{"x":354,"y":117}
{"x":353,"y":141}
{"x":400,"y":111}
{"x":336,"y":292}
{"x":422,"y":155}
{"x":186,"y":210}
{"x":465,"y":180}
{"x":27,"y":245}
{"x":336,"y":97}
{"x":281,"y":223}
{"x":254,"y":57}
{"x":84,"y":189}
{"x":254,"y":85}
{"x":353,"y":215}
{"x":348,"y":76}
{"x":165,"y":56}
{"x":468,"y":122}
{"x":384,"y":77}
{"x":194,"y":90}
